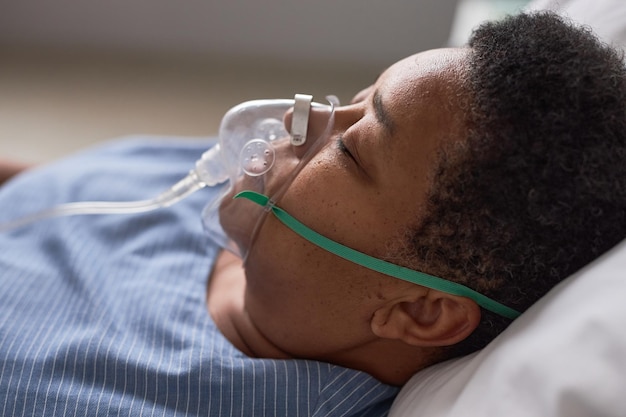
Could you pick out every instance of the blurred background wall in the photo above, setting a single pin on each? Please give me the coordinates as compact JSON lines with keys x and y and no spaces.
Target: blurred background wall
{"x":76,"y":72}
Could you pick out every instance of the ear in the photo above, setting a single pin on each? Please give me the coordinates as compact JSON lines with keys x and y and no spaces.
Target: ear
{"x":427,"y":319}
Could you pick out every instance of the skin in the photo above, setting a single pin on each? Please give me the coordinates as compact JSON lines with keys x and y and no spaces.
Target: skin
{"x":292,"y":299}
{"x":8,"y":169}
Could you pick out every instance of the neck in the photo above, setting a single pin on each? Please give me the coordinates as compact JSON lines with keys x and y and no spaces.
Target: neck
{"x":225,"y":301}
{"x":391,"y":362}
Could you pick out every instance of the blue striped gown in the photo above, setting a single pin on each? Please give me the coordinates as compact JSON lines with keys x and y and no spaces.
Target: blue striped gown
{"x":105,"y":314}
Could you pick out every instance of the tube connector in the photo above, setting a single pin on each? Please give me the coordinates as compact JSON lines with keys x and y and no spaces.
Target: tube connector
{"x":210,"y":168}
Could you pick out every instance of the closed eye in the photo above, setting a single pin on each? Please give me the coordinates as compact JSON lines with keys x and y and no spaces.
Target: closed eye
{"x":343,"y":148}
{"x":354,"y":157}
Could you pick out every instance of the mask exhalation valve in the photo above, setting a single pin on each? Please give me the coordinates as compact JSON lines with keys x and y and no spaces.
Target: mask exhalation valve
{"x":257,"y":157}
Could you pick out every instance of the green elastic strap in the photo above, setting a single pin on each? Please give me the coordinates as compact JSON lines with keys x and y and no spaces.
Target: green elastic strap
{"x":379,"y":265}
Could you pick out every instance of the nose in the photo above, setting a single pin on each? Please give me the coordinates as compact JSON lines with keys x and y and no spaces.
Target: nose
{"x":319,"y":127}
{"x":346,"y":116}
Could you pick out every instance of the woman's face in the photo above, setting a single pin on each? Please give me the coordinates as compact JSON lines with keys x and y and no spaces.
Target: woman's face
{"x":363,"y":188}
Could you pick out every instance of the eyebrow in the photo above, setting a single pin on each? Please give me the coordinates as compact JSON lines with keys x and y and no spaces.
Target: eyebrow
{"x":381,"y":113}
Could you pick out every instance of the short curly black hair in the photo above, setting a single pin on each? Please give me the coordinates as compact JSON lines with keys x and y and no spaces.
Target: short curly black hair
{"x":538,"y":189}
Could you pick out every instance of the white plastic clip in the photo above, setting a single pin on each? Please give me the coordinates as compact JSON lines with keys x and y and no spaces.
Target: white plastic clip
{"x":300,"y":119}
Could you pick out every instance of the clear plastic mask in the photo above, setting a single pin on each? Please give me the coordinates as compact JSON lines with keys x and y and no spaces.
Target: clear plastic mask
{"x":260,"y":155}
{"x":254,"y":145}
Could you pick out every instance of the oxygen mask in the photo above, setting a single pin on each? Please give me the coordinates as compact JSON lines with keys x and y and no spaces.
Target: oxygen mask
{"x":254,"y":149}
{"x":260,"y":155}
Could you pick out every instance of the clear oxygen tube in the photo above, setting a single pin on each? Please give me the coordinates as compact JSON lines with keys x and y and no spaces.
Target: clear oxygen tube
{"x":245,"y":148}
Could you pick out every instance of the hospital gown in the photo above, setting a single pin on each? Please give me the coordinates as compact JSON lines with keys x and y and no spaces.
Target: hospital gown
{"x":106,"y":314}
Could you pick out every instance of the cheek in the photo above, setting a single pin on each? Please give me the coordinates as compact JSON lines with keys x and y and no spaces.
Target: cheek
{"x":271,"y":265}
{"x":294,"y":290}
{"x":281,"y":263}
{"x":320,"y":189}
{"x":344,"y":211}
{"x":283,"y":269}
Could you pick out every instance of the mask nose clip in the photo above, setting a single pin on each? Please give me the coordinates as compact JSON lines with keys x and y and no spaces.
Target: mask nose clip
{"x":300,"y":119}
{"x":306,"y":122}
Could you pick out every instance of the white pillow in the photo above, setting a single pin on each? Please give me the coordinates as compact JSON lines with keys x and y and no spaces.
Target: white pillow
{"x":565,"y":356}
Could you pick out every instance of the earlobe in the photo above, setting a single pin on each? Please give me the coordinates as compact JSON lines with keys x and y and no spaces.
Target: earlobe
{"x":430,"y":320}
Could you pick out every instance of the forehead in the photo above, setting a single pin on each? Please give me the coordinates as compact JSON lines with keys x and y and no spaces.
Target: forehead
{"x":436,"y":64}
{"x":426,"y":83}
{"x":424,"y":95}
